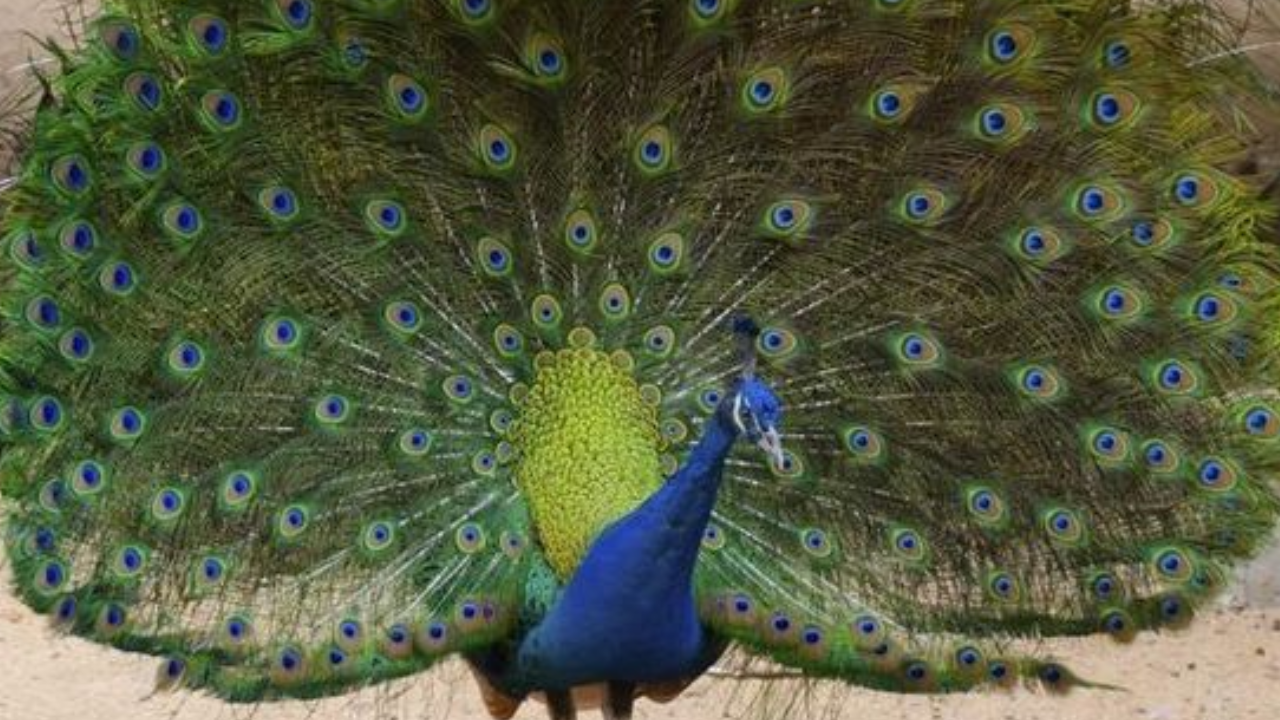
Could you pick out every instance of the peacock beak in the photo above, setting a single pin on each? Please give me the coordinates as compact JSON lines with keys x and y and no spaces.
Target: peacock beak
{"x":771,"y":443}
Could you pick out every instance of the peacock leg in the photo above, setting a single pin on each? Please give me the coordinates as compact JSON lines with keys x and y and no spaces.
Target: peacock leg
{"x":619,"y":700}
{"x":560,"y":705}
{"x":500,"y":705}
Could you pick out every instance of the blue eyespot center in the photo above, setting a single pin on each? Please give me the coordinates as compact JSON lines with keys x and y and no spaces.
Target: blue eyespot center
{"x":1117,"y":54}
{"x":762,"y":91}
{"x":1115,"y":301}
{"x":889,"y":104}
{"x":1092,"y":201}
{"x":1187,"y":189}
{"x":226,"y":109}
{"x":549,"y":61}
{"x":411,"y":99}
{"x":1004,"y":46}
{"x":706,"y":8}
{"x":1106,"y":108}
{"x":1208,"y":307}
{"x":215,"y":35}
{"x":170,"y":500}
{"x":131,"y":559}
{"x":994,"y":122}
{"x":298,"y":12}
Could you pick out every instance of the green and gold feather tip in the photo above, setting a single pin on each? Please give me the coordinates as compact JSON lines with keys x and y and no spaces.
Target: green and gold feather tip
{"x":599,"y":342}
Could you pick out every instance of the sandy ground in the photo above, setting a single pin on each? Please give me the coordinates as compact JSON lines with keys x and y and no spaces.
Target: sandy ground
{"x":1227,"y":667}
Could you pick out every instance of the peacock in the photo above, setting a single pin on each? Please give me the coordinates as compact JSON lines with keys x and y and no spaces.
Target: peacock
{"x":599,"y":342}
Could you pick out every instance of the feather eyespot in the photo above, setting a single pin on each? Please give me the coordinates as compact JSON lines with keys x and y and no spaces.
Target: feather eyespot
{"x":659,"y":341}
{"x":545,"y":311}
{"x":1008,"y":45}
{"x":51,"y":576}
{"x":653,"y":151}
{"x":986,"y":507}
{"x":414,"y":442}
{"x":475,"y":12}
{"x":666,"y":253}
{"x":210,"y":34}
{"x":43,"y":313}
{"x":295,"y":14}
{"x":280,"y":335}
{"x":917,"y":351}
{"x":145,"y":90}
{"x":1174,"y":377}
{"x":1064,"y":527}
{"x":71,"y":175}
{"x":816,"y":543}
{"x":127,"y":424}
{"x":1038,"y":382}
{"x":1118,"y":303}
{"x":120,"y":38}
{"x":580,"y":232}
{"x":765,"y":91}
{"x":1003,"y":587}
{"x":1195,"y":190}
{"x":470,"y":538}
{"x":407,"y":98}
{"x":25,"y":249}
{"x":46,"y":414}
{"x":788,"y":219}
{"x":1109,"y":446}
{"x":1217,"y":475}
{"x":1262,"y":422}
{"x":181,"y":221}
{"x":78,"y":239}
{"x":220,"y":110}
{"x":496,"y":149}
{"x":863,"y":443}
{"x":1160,"y":457}
{"x":185,"y":359}
{"x":1110,"y":109}
{"x":615,"y":302}
{"x":279,"y":203}
{"x":507,"y":340}
{"x":292,"y":522}
{"x":146,"y":160}
{"x":1098,"y":202}
{"x":887,"y":105}
{"x":386,"y":218}
{"x":458,"y":388}
{"x":1213,"y":309}
{"x":332,"y":410}
{"x":908,"y":545}
{"x":238,"y":490}
{"x":76,"y":345}
{"x":378,"y":537}
{"x":403,"y":317}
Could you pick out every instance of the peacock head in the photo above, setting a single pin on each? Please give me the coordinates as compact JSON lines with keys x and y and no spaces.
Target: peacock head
{"x":755,"y":409}
{"x":757,"y":413}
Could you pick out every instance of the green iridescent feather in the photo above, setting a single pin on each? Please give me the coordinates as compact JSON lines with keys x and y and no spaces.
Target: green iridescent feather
{"x":280,"y":278}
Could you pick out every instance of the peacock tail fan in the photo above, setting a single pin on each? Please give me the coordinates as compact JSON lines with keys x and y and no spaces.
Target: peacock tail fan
{"x":300,"y":298}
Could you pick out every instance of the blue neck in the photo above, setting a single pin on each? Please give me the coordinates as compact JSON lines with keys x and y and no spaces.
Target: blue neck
{"x":628,"y":613}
